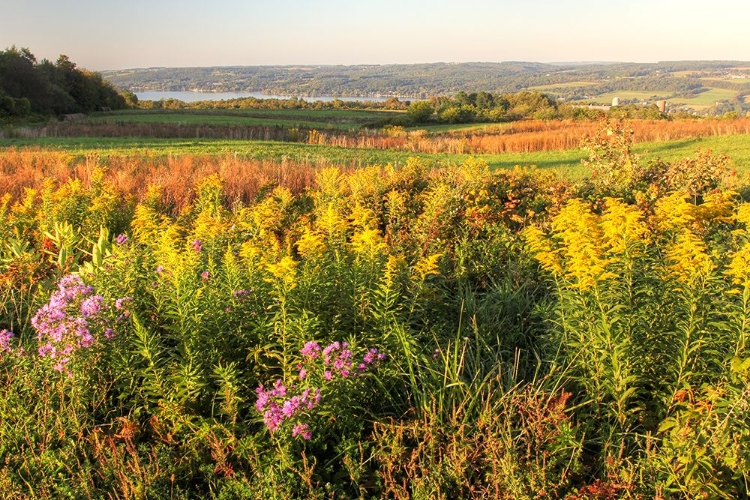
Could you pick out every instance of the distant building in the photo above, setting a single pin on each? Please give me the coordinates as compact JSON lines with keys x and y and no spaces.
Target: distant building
{"x":662,"y":105}
{"x":615,"y":101}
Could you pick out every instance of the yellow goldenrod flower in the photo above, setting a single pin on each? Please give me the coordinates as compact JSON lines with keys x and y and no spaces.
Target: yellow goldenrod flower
{"x":284,"y":270}
{"x":541,"y":246}
{"x":368,"y":243}
{"x":674,"y":212}
{"x":583,"y":246}
{"x":310,"y":244}
{"x":331,"y":222}
{"x":739,"y":268}
{"x":427,"y":266}
{"x":688,"y":258}
{"x":622,"y":225}
{"x":743,"y":214}
{"x":716,"y":208}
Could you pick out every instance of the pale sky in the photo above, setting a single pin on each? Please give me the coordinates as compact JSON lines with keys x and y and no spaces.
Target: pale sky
{"x":104,"y":34}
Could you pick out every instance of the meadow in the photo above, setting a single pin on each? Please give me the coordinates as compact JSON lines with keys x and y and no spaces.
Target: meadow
{"x":309,"y":118}
{"x":213,"y":318}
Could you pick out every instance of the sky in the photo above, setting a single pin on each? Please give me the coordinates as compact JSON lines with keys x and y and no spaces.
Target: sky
{"x":104,"y":34}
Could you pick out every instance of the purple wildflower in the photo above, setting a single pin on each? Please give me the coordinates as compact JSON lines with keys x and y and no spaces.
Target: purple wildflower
{"x":205,"y":275}
{"x":121,"y":239}
{"x":120,"y":303}
{"x":302,"y":430}
{"x":197,"y":246}
{"x":273,"y":417}
{"x":241,"y":294}
{"x":310,"y":350}
{"x":302,"y":374}
{"x":91,"y":306}
{"x":291,"y":406}
{"x":5,"y":336}
{"x":159,"y":269}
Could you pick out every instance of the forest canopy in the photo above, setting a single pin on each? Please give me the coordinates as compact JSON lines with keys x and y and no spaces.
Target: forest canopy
{"x":29,"y":88}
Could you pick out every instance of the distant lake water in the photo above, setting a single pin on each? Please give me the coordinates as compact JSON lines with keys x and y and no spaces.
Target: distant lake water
{"x":189,"y":96}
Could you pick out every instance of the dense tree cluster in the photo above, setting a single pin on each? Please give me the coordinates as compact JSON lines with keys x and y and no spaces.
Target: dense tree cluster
{"x":29,"y":88}
{"x":425,"y":80}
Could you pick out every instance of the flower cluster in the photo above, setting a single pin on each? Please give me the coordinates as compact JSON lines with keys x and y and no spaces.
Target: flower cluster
{"x":5,"y":336}
{"x":241,"y":294}
{"x":277,"y":407}
{"x":331,"y":364}
{"x":64,"y":325}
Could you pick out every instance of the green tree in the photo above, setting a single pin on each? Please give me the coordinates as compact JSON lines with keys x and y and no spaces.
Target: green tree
{"x":420,"y":111}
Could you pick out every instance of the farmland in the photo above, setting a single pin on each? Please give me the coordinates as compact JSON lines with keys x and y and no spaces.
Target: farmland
{"x":327,"y":309}
{"x":201,"y":317}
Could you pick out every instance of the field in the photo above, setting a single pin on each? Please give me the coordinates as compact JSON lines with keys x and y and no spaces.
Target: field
{"x":554,"y":86}
{"x":340,"y":119}
{"x":628,"y":95}
{"x":391,"y":314}
{"x":566,"y":161}
{"x":705,"y":99}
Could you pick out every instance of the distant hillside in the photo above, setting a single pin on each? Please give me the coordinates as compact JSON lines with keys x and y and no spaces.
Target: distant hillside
{"x":569,"y":81}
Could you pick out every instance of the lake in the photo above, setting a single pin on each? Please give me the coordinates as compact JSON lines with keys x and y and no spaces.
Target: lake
{"x":190,"y":96}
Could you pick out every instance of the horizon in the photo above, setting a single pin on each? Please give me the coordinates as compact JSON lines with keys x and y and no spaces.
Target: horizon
{"x":101,"y":36}
{"x":300,"y":65}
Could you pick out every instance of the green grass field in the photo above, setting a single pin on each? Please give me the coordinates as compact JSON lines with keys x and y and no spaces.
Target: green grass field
{"x":567,"y":162}
{"x":628,"y":95}
{"x":567,"y":85}
{"x":320,"y":119}
{"x":705,"y":99}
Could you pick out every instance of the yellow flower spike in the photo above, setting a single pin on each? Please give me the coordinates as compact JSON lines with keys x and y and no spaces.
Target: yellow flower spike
{"x":541,"y":246}
{"x":674,"y":212}
{"x":368,"y":243}
{"x":428,"y":266}
{"x":743,"y":214}
{"x":739,"y":267}
{"x":716,"y":208}
{"x":284,"y":270}
{"x":310,"y":244}
{"x":688,"y":258}
{"x":208,"y":226}
{"x":331,"y":222}
{"x":582,"y":244}
{"x":363,"y":217}
{"x":330,"y":184}
{"x":622,"y":225}
{"x":250,"y":253}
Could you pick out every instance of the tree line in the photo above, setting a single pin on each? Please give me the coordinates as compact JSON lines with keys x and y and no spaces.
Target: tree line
{"x":31,"y":89}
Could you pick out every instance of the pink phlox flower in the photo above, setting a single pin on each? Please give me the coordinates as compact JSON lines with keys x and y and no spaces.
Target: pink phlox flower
{"x":91,"y":306}
{"x":291,"y":406}
{"x":310,"y":350}
{"x":197,"y":246}
{"x":327,"y":375}
{"x":120,"y":303}
{"x":263,"y":398}
{"x":302,"y":430}
{"x":279,"y":390}
{"x":5,"y":336}
{"x":335,"y":346}
{"x":273,"y":417}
